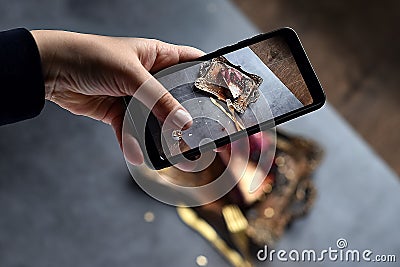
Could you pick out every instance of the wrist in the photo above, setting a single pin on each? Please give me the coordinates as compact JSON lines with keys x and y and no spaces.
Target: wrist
{"x":62,"y":54}
{"x":57,"y":50}
{"x":45,"y":50}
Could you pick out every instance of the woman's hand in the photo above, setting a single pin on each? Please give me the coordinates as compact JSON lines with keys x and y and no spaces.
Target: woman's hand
{"x":89,"y":74}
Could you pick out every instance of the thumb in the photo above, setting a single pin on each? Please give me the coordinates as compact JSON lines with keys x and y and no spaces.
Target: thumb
{"x":163,"y":105}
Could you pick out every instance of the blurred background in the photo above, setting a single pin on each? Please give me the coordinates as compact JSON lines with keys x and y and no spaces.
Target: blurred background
{"x":354,"y":48}
{"x":67,"y":199}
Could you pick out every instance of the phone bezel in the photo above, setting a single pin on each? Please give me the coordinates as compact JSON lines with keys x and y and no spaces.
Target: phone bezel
{"x":154,"y":160}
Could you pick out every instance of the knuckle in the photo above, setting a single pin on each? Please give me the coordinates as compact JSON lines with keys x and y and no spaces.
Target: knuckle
{"x":165,"y":105}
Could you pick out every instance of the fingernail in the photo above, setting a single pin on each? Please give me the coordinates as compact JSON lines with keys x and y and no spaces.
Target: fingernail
{"x":182,"y":119}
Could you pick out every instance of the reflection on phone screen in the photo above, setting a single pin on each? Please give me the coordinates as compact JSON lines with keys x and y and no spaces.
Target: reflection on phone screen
{"x":233,"y":92}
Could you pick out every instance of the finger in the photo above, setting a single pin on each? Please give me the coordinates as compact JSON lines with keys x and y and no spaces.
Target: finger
{"x":128,"y":144}
{"x":169,"y":54}
{"x":163,"y":105}
{"x":131,"y":149}
{"x":188,"y":53}
{"x":117,"y":124}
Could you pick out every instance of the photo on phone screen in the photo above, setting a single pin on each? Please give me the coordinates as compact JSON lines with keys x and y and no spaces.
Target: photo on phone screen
{"x":263,"y":79}
{"x":234,"y":92}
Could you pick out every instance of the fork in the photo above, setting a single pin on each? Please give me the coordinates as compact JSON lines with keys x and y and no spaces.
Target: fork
{"x":189,"y":217}
{"x":237,"y":225}
{"x":231,"y":115}
{"x":232,"y":110}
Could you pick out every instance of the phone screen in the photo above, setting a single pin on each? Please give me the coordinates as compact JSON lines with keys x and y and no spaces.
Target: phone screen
{"x":232,"y":92}
{"x":235,"y":91}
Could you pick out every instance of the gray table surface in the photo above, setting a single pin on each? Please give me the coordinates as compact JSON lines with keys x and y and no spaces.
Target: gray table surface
{"x":66,"y":198}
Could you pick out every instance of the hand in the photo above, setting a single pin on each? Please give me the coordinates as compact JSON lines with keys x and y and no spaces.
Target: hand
{"x":89,"y":74}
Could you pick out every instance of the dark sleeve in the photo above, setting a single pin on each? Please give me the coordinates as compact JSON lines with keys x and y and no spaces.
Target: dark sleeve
{"x":22,"y":92}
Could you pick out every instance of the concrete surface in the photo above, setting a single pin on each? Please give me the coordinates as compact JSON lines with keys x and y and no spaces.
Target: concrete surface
{"x":66,"y":198}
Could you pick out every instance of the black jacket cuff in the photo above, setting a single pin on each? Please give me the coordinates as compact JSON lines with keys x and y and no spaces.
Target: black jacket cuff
{"x":22,"y":93}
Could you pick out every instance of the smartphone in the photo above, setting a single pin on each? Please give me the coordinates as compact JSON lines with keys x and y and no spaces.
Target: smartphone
{"x":233,"y":92}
